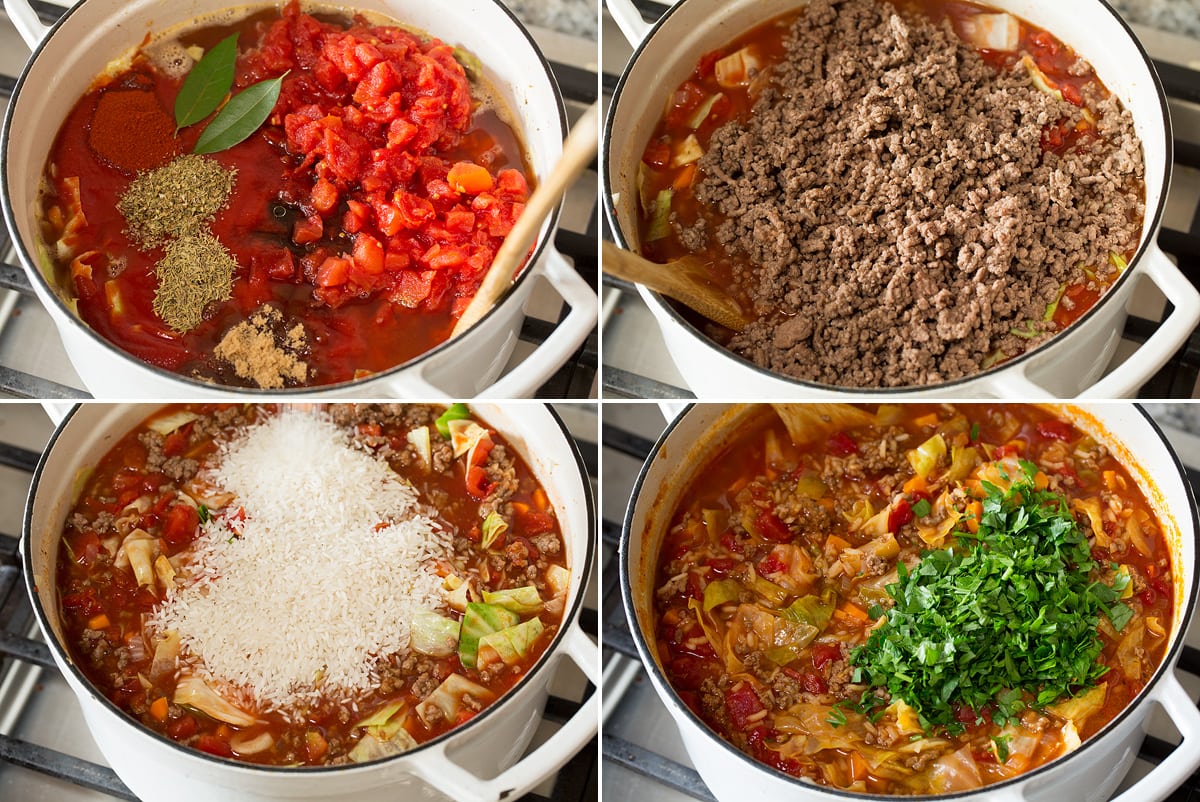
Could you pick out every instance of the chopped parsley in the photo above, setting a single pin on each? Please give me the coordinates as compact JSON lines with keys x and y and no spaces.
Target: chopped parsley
{"x":1001,"y":742}
{"x":974,"y":432}
{"x":203,"y":511}
{"x":1004,"y":619}
{"x":836,"y":717}
{"x":921,"y":508}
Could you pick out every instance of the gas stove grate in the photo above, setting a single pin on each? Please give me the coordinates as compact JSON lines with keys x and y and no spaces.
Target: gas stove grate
{"x":1176,"y":379}
{"x":576,"y":780}
{"x":619,"y":646}
{"x":574,"y":379}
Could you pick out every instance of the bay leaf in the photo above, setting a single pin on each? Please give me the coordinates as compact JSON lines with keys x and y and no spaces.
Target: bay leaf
{"x":207,"y":83}
{"x":240,"y":117}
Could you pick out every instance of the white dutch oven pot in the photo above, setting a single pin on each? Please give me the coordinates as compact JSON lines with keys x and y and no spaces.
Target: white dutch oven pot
{"x":1092,"y":772}
{"x":1070,"y":364}
{"x":475,"y":763}
{"x":67,"y":58}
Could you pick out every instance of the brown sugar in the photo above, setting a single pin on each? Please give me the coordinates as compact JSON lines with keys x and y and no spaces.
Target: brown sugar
{"x":254,"y":352}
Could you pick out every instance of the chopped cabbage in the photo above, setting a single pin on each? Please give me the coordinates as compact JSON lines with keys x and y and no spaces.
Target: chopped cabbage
{"x":522,"y":601}
{"x":434,"y":635}
{"x":169,"y":423}
{"x":509,"y":645}
{"x":689,"y":151}
{"x":558,"y":578}
{"x":419,"y":438}
{"x":493,"y":526}
{"x":191,"y":691}
{"x":447,"y":698}
{"x":721,"y":592}
{"x":924,"y":458}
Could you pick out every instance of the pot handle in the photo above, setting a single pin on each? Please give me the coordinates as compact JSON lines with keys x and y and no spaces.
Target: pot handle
{"x":1167,"y":776}
{"x":629,"y":20}
{"x":26,"y":21}
{"x":1125,"y":380}
{"x":57,"y":410}
{"x":524,"y":380}
{"x":440,"y":771}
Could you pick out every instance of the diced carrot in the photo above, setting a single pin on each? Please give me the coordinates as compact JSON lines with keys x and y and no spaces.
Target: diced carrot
{"x":224,"y":732}
{"x":684,"y":179}
{"x":854,"y":611}
{"x":927,"y":420}
{"x":858,"y":766}
{"x":470,"y":178}
{"x":917,"y":484}
{"x":1041,"y":481}
{"x":158,"y":708}
{"x":99,"y":622}
{"x":540,"y":500}
{"x":1110,"y":480}
{"x":974,"y":513}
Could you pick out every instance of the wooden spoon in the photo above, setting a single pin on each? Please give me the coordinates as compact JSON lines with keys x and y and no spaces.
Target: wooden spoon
{"x":578,"y":151}
{"x":686,"y":280}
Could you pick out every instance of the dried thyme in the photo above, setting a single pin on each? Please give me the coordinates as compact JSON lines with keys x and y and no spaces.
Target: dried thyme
{"x":195,"y":271}
{"x":176,"y":200}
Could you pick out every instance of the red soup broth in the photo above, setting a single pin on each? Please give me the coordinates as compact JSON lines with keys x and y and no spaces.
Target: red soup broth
{"x":345,"y":215}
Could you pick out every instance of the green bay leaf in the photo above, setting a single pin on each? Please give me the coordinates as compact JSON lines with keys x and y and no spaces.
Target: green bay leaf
{"x":240,"y":117}
{"x":207,"y":84}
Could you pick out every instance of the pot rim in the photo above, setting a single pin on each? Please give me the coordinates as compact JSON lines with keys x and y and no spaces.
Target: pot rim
{"x":670,"y":698}
{"x":40,"y":282}
{"x":718,"y":351}
{"x":570,"y":621}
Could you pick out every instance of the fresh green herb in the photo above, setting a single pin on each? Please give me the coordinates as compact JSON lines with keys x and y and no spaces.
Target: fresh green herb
{"x":207,"y":84}
{"x":921,"y":508}
{"x":974,"y":432}
{"x":204,"y":516}
{"x":240,"y":117}
{"x":836,"y":717}
{"x":1001,"y":742}
{"x":454,"y":412}
{"x":999,"y":620}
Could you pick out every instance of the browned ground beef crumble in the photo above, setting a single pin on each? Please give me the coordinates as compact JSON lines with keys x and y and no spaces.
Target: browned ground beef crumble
{"x":894,"y":208}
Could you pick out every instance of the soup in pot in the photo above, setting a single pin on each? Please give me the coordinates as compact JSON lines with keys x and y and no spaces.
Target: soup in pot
{"x":911,"y":599}
{"x":338,"y":233}
{"x":896,"y":193}
{"x":297,"y":586}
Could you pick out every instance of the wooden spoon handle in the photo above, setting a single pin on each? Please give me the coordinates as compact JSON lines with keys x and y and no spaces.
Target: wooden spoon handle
{"x":578,"y":151}
{"x":679,"y":280}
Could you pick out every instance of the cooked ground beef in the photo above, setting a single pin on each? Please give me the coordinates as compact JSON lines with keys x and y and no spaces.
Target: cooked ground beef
{"x":892,"y":208}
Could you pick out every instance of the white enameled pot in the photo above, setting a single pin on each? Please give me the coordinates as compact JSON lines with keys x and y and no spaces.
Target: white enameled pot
{"x":1089,"y":774}
{"x":1069,"y":365}
{"x":67,"y":58}
{"x":480,"y":762}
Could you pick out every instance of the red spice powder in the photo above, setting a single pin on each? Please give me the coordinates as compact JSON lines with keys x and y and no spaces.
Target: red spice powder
{"x":131,"y":131}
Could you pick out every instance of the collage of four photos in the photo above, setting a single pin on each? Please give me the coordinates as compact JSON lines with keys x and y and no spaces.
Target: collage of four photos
{"x":564,"y":400}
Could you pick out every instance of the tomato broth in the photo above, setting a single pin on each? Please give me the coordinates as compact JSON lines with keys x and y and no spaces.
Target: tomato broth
{"x":357,"y":236}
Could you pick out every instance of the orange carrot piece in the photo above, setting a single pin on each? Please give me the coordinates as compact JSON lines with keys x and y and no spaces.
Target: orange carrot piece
{"x":684,"y":179}
{"x":469,"y":178}
{"x":99,"y":622}
{"x":158,"y":708}
{"x":917,"y":484}
{"x":927,"y":420}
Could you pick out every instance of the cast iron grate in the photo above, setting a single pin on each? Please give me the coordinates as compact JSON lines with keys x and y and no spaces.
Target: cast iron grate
{"x":575,"y":782}
{"x":573,"y":380}
{"x":619,"y":644}
{"x":1176,"y":379}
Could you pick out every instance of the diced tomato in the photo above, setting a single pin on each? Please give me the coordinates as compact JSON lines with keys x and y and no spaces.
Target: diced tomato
{"x":83,"y":602}
{"x":707,"y":62}
{"x":1055,"y":430}
{"x":825,"y":653}
{"x":771,"y":528}
{"x":536,"y":523}
{"x":176,"y":442}
{"x":657,"y":154}
{"x":324,"y":195}
{"x":842,"y":445}
{"x":730,"y":542}
{"x":685,"y":100}
{"x":695,"y":589}
{"x":1072,"y":94}
{"x":85,"y":546}
{"x":901,"y":514}
{"x":814,"y":682}
{"x":333,"y":272}
{"x":477,"y":482}
{"x":771,"y":564}
{"x":315,"y":745}
{"x":687,"y":672}
{"x":1007,"y":450}
{"x":181,"y":526}
{"x":181,"y":728}
{"x":742,"y":704}
{"x":213,"y":745}
{"x":368,"y":254}
{"x":965,"y":714}
{"x":720,"y":564}
{"x":307,"y":230}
